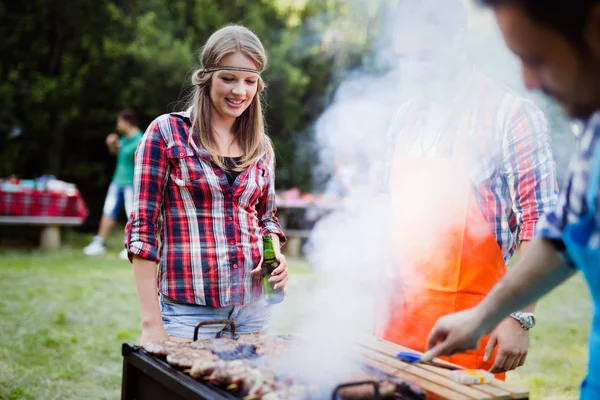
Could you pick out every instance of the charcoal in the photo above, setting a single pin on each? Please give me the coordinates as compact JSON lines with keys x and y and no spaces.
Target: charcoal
{"x":243,"y":351}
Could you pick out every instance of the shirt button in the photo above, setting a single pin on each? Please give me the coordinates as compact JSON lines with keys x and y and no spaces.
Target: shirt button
{"x":229,"y":218}
{"x":232,"y":242}
{"x":229,"y":195}
{"x":235,"y":266}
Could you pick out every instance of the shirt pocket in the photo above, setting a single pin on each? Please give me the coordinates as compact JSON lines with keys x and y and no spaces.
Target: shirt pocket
{"x":185,"y":165}
{"x":254,"y":186}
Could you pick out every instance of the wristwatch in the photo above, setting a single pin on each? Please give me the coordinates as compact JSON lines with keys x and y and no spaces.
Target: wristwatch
{"x":526,"y":319}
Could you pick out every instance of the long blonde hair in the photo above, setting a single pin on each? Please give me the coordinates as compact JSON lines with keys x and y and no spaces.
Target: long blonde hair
{"x":249,"y":127}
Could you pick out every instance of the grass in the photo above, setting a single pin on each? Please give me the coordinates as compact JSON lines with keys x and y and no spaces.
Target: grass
{"x":558,"y":352}
{"x":64,"y":316}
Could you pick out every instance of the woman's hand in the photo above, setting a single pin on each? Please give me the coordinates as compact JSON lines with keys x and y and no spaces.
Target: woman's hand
{"x":279,"y":275}
{"x":154,"y":333}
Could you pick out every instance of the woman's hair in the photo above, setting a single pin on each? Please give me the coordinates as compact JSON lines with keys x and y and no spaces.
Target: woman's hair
{"x":131,"y":116}
{"x":249,"y":127}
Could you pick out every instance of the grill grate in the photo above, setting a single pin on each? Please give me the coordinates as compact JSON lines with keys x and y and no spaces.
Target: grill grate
{"x":143,"y":370}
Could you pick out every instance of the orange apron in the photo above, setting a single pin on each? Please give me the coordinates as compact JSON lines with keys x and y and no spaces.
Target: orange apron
{"x":446,"y":257}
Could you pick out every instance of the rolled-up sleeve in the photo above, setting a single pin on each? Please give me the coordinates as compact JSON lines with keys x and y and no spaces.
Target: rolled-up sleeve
{"x":151,"y":169}
{"x":529,"y":167}
{"x":266,"y":203}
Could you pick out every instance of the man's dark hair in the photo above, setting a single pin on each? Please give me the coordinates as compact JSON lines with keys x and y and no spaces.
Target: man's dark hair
{"x":569,"y":17}
{"x":130,"y":115}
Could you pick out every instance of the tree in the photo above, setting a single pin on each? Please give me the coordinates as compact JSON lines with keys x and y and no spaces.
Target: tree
{"x":68,"y":67}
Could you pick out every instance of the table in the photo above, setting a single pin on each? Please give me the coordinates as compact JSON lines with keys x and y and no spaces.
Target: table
{"x":49,"y":210}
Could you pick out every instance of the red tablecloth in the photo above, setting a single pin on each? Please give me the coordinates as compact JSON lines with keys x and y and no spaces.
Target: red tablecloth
{"x":37,"y":203}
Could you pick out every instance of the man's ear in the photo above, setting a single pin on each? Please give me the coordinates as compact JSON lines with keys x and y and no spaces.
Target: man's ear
{"x":592,"y":31}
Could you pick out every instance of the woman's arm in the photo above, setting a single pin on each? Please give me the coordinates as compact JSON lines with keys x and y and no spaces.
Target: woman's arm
{"x":270,"y":225}
{"x":144,"y":272}
{"x":151,"y":170}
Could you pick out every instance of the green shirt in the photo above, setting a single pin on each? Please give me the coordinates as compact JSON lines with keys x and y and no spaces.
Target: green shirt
{"x":125,"y":159}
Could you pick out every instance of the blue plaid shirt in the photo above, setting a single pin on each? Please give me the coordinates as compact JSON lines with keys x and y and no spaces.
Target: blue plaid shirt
{"x":572,"y":204}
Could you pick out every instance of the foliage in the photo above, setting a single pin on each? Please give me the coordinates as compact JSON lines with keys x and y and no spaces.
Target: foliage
{"x":68,"y":67}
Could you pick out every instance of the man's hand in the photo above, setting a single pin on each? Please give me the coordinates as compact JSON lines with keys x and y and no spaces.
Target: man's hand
{"x":456,"y":333}
{"x":513,"y":343}
{"x":112,"y":142}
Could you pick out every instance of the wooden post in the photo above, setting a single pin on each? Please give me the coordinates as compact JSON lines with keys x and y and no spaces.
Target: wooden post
{"x":292,"y":247}
{"x":50,"y":237}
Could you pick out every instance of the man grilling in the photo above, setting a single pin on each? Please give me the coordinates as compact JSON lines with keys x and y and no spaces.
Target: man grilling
{"x":558,"y":43}
{"x":472,"y":171}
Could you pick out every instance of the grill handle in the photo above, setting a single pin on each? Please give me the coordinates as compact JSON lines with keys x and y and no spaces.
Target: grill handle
{"x":215,"y":322}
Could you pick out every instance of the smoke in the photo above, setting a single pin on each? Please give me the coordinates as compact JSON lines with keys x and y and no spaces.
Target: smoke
{"x":360,"y":248}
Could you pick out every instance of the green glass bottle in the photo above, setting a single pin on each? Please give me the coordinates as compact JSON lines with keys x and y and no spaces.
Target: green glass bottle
{"x":269,"y":264}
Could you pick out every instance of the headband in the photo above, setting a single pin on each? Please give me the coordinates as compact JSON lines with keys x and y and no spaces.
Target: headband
{"x":213,"y":69}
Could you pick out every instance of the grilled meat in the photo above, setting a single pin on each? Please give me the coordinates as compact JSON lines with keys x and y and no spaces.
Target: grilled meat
{"x":222,"y":345}
{"x":250,"y":338}
{"x":202,"y":343}
{"x":245,"y":367}
{"x":185,"y":357}
{"x":164,"y":347}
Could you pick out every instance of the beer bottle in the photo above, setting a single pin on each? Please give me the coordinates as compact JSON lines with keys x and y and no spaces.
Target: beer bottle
{"x":269,"y":264}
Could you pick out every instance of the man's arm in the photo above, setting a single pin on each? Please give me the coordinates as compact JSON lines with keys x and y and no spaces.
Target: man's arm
{"x":524,"y":246}
{"x":540,"y":269}
{"x":112,"y":142}
{"x":528,"y":169}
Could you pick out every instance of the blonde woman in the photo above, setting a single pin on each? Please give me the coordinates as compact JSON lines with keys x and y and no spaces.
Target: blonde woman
{"x":209,"y":173}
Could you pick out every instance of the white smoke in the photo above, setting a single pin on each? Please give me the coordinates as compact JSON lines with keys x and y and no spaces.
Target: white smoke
{"x":352,"y":248}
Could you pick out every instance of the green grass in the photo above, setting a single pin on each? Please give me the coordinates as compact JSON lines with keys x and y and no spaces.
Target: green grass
{"x":63,"y":317}
{"x":558,"y":352}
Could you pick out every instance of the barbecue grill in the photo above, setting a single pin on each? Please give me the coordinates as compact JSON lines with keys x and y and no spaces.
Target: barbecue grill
{"x":147,"y":376}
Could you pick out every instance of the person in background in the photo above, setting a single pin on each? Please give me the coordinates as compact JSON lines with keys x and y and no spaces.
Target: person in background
{"x":209,"y":173}
{"x":472,"y":172}
{"x":558,"y":43}
{"x":120,"y":191}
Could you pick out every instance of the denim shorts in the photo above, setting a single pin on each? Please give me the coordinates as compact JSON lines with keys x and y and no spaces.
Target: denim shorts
{"x":180,"y":319}
{"x":117,"y":197}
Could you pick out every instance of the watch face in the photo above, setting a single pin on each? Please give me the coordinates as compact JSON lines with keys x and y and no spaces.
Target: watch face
{"x":529,"y":321}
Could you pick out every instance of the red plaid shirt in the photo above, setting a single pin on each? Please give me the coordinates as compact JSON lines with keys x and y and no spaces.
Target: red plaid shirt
{"x":210,"y":236}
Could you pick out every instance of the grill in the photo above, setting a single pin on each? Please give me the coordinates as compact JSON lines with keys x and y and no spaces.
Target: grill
{"x":148,"y":376}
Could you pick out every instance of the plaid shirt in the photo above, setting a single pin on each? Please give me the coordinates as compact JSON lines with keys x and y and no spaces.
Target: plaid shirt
{"x":512,"y":168}
{"x":211,"y":232}
{"x":572,"y":202}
